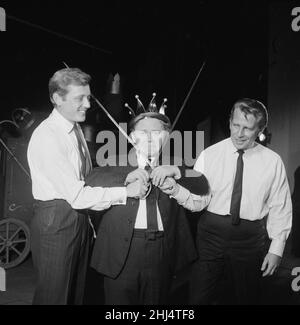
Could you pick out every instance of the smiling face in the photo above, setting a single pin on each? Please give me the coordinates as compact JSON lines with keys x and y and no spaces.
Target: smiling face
{"x":244,"y":129}
{"x":74,"y":104}
{"x":149,"y":135}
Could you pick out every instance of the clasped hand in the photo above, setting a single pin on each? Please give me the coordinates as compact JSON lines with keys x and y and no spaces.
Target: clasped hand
{"x":163,"y":177}
{"x":137,"y":183}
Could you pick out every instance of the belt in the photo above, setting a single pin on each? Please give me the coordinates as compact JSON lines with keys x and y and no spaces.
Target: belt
{"x":148,"y":234}
{"x":258,"y":221}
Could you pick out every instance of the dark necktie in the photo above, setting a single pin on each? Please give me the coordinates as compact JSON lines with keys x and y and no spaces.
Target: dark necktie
{"x":237,"y":190}
{"x":151,"y":206}
{"x":85,"y":166}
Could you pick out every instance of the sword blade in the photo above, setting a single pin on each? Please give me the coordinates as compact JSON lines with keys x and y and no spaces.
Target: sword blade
{"x":187,"y":96}
{"x":183,"y":105}
{"x":119,"y":127}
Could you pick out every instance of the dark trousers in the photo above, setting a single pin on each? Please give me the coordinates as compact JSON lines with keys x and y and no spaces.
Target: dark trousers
{"x":230,"y":259}
{"x":295,"y":233}
{"x":145,"y":278}
{"x":60,"y":238}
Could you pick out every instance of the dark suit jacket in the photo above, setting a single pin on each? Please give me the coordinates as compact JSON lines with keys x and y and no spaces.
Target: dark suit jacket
{"x":116,"y":227}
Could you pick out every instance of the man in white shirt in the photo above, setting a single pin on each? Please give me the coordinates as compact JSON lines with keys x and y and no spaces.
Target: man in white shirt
{"x":59,"y":161}
{"x":250,"y":198}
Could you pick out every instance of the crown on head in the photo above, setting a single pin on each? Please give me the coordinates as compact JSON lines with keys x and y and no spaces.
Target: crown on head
{"x":152,"y":107}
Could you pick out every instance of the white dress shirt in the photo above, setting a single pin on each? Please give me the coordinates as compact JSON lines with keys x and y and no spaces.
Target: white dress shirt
{"x":265,"y":187}
{"x":141,"y":218}
{"x":55,"y":167}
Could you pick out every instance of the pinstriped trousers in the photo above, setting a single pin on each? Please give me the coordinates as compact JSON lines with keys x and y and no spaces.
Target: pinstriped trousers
{"x":60,"y":239}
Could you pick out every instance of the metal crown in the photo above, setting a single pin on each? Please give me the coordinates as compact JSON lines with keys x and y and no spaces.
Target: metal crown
{"x":152,"y":107}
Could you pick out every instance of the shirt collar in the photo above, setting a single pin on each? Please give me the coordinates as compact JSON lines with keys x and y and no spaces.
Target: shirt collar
{"x":61,"y":121}
{"x":233,"y":149}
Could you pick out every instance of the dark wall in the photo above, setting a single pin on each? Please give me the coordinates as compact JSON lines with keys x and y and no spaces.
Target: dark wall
{"x":155,"y":46}
{"x":284,"y":83}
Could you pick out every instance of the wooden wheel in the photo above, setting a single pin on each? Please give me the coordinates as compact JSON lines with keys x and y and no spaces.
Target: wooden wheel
{"x":14,"y":242}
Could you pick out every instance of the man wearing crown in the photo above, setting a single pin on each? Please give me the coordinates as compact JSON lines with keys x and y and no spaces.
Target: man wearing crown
{"x":140,"y":245}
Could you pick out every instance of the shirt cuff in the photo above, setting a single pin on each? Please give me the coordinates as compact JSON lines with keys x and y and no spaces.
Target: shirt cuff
{"x":118,"y":195}
{"x":277,"y":247}
{"x":182,"y":196}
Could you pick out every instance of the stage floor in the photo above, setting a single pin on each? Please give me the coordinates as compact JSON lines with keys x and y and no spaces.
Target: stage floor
{"x":277,"y":289}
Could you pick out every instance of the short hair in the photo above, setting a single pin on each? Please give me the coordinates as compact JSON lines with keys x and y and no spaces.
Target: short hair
{"x":61,"y":79}
{"x":162,"y":118}
{"x":254,"y":107}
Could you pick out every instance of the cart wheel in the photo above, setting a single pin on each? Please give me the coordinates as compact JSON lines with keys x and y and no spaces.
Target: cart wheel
{"x":14,"y":242}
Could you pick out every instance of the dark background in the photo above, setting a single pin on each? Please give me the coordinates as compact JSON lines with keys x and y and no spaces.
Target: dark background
{"x":154,"y":45}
